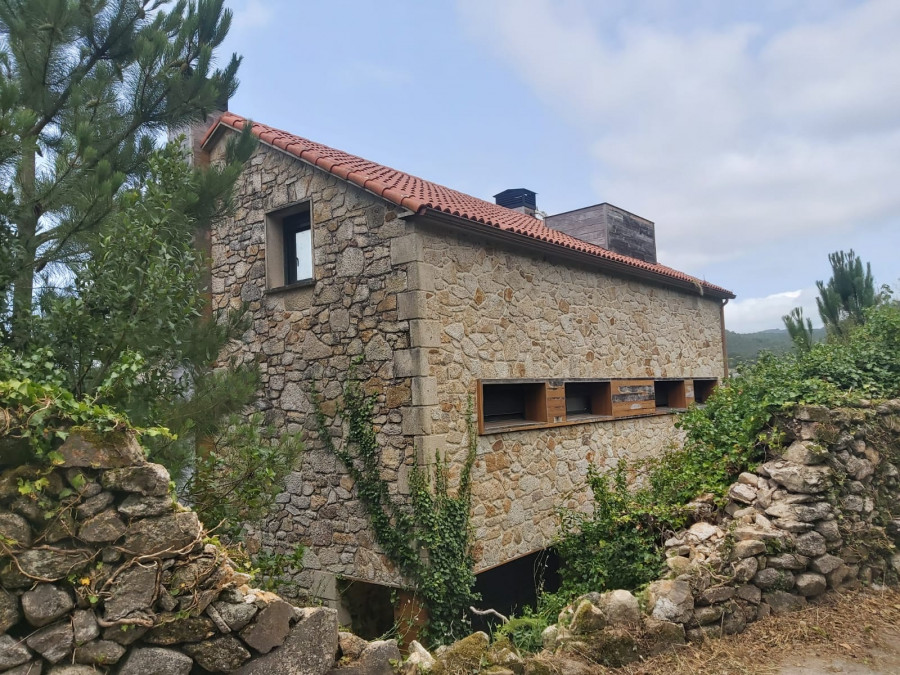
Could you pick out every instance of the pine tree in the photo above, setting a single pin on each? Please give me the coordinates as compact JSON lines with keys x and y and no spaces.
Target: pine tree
{"x":799,"y":328}
{"x":100,"y":281}
{"x":86,"y":87}
{"x":849,"y":292}
{"x":842,"y":301}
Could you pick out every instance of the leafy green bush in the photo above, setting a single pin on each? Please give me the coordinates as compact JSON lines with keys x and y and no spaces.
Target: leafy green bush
{"x":238,"y":473}
{"x":616,"y":546}
{"x":524,"y":632}
{"x":37,"y":411}
{"x":620,"y":544}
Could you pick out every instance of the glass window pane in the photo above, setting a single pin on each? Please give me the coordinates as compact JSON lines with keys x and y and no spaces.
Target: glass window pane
{"x":303,"y":248}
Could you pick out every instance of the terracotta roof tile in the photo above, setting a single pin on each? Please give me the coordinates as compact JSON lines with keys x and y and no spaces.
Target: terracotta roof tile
{"x":420,"y":195}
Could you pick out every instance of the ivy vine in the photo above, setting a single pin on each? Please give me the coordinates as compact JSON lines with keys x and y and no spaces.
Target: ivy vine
{"x":427,"y":537}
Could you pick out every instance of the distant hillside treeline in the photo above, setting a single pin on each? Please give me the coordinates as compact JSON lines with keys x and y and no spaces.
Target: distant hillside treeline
{"x":746,"y":346}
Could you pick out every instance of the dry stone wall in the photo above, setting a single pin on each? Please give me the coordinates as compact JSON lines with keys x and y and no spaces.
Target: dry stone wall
{"x":120,"y":578}
{"x":821,"y":516}
{"x":103,"y":571}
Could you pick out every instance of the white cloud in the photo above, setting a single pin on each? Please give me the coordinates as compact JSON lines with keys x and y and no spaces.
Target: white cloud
{"x":728,"y":136}
{"x":755,"y":314}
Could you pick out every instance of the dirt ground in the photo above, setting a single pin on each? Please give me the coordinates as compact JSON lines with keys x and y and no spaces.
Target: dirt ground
{"x":855,"y":633}
{"x":876,"y":660}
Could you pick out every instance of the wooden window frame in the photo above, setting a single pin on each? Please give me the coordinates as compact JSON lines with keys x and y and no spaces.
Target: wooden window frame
{"x":534,"y":409}
{"x":674,"y":392}
{"x":611,"y":399}
{"x":599,"y":393}
{"x":703,"y":388}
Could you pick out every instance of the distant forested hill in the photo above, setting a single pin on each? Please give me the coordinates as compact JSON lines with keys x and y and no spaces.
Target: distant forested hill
{"x":746,"y":346}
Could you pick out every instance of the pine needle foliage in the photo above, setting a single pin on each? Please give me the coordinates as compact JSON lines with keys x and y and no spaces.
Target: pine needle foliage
{"x":842,"y":302}
{"x":849,"y":292}
{"x":86,"y":87}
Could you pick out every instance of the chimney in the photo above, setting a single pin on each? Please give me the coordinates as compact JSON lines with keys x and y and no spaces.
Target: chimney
{"x":517,"y":199}
{"x":612,"y":228}
{"x":194,"y":133}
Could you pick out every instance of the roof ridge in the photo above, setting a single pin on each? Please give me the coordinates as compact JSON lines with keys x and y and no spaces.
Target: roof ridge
{"x":419,"y":195}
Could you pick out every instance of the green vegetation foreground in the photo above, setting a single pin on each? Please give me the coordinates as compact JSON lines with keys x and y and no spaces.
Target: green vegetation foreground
{"x":619,"y":546}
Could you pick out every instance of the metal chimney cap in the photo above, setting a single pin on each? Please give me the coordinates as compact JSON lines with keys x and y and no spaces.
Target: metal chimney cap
{"x":516,"y":198}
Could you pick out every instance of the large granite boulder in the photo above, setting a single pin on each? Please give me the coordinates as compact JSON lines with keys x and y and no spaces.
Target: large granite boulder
{"x":309,"y":648}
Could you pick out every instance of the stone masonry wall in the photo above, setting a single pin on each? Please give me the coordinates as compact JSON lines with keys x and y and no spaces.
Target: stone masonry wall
{"x":492,"y":313}
{"x":102,"y":571}
{"x":821,"y":516}
{"x":310,"y":335}
{"x":521,"y":478}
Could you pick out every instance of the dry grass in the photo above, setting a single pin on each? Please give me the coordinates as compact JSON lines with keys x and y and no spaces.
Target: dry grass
{"x":854,"y":626}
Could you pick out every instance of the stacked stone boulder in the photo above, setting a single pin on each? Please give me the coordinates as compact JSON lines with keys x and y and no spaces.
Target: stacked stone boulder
{"x":822,"y":514}
{"x":103,"y":571}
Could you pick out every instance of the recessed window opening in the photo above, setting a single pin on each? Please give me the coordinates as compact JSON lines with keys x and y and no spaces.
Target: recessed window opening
{"x":289,"y":246}
{"x":578,"y":398}
{"x":703,"y":389}
{"x":670,"y":394}
{"x":298,"y":261}
{"x":587,"y":398}
{"x":519,"y":402}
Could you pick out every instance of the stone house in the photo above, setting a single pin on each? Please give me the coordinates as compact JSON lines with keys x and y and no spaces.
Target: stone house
{"x":576,"y":344}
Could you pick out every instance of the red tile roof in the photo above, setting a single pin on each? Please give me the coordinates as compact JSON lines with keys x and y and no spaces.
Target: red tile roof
{"x":420,"y":196}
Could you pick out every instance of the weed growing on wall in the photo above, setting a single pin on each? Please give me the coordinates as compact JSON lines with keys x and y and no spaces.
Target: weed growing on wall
{"x":239,"y":472}
{"x":428,"y":538}
{"x":235,"y":477}
{"x":620,"y":544}
{"x":37,"y":411}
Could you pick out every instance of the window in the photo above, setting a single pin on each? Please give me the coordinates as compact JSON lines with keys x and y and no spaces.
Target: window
{"x":289,"y":247}
{"x":513,"y":403}
{"x":298,"y":264}
{"x":587,"y":398}
{"x":703,"y":389}
{"x":670,"y":394}
{"x":504,"y":405}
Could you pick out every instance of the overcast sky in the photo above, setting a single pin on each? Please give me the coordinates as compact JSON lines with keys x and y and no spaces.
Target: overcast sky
{"x":759,"y":135}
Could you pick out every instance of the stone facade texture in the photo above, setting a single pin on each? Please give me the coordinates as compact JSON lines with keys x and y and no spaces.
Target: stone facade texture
{"x":431,"y":312}
{"x":309,"y":335}
{"x":501,"y":314}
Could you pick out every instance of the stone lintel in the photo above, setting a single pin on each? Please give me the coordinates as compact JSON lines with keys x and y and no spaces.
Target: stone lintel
{"x":324,"y":585}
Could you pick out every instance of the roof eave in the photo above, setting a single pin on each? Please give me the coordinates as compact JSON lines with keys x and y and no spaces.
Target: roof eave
{"x":614,"y":267}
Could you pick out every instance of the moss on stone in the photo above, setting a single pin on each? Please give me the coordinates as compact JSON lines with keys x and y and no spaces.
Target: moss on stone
{"x":463,"y":657}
